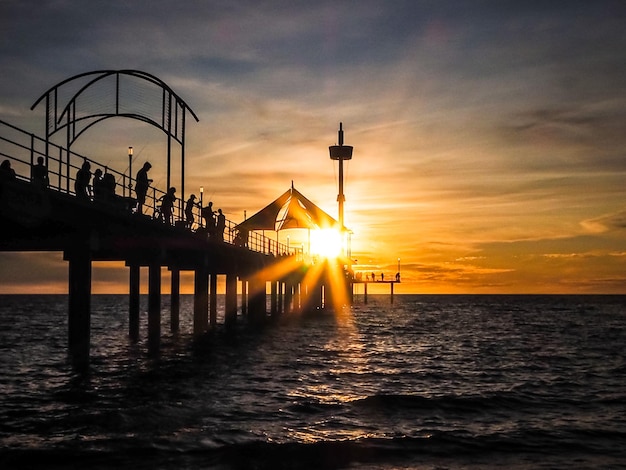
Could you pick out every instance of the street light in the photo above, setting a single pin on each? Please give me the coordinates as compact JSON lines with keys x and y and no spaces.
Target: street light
{"x":201,"y":205}
{"x":130,"y":169}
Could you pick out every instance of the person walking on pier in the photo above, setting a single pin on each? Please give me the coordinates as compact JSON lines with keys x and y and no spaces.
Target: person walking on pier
{"x":167,"y":205}
{"x":81,"y":184}
{"x":39,"y":173}
{"x":189,"y":211}
{"x":141,"y":185}
{"x":97,"y":184}
{"x":6,"y":172}
{"x":221,"y":225}
{"x":209,"y":216}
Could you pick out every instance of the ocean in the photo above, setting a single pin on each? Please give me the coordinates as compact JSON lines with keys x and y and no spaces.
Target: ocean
{"x":428,"y":382}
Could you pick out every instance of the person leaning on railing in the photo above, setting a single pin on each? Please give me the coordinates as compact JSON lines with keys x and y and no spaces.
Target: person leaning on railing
{"x":6,"y":172}
{"x":39,"y":173}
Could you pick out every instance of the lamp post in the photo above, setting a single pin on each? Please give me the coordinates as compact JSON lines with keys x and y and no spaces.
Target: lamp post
{"x":201,"y":205}
{"x":130,"y":170}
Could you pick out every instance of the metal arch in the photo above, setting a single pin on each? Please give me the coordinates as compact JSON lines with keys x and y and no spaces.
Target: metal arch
{"x":54,"y":125}
{"x":105,"y":73}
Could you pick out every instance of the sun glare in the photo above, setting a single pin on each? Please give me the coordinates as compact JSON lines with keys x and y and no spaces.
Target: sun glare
{"x":326,"y":243}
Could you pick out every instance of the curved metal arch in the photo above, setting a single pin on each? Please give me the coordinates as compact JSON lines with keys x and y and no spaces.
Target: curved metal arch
{"x":102,"y":74}
{"x":173,"y":108}
{"x":106,"y":73}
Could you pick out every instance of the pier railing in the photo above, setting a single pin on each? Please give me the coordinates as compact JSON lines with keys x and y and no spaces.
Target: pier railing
{"x":22,"y":149}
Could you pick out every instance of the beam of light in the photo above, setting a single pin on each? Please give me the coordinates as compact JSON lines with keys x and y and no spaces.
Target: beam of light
{"x":328,"y":273}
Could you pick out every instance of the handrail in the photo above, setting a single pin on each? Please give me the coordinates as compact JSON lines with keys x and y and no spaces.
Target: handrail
{"x":23,"y":149}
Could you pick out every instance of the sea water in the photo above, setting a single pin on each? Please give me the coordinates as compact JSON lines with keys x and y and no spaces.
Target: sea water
{"x":425,"y":382}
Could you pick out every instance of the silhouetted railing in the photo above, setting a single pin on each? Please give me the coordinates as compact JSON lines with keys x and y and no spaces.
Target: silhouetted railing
{"x":22,"y":149}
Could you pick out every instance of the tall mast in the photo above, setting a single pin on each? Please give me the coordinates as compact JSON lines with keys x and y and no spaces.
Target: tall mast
{"x":340,"y":153}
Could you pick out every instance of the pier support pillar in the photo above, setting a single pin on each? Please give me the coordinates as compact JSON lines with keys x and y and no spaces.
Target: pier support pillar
{"x":281,"y":296}
{"x":391,"y":292}
{"x":79,"y":318}
{"x":200,"y":301}
{"x":175,"y":301}
{"x":296,"y":297}
{"x":288,"y":297}
{"x":274,"y":298}
{"x":213,"y":300}
{"x":244,"y":297}
{"x":154,"y":308}
{"x":230,"y":305}
{"x":133,"y":303}
{"x":365,"y":294}
{"x":257,"y":299}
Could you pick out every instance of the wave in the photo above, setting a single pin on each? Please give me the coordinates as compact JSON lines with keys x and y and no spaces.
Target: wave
{"x":458,"y":448}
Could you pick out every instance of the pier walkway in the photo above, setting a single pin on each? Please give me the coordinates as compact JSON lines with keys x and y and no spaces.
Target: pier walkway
{"x":52,"y":217}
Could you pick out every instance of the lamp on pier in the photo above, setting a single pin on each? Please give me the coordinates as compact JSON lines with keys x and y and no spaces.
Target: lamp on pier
{"x":201,"y":205}
{"x":130,"y":168}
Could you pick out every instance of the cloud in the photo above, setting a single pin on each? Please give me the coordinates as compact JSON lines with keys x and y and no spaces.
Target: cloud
{"x":608,"y":222}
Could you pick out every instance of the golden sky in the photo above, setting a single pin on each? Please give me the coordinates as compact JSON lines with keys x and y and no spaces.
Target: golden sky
{"x":489,"y":143}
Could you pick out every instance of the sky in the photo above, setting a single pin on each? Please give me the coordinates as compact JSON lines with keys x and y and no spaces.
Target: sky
{"x":489,"y":136}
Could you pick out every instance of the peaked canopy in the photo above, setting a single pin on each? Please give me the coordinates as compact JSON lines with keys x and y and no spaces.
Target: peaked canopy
{"x":290,"y":210}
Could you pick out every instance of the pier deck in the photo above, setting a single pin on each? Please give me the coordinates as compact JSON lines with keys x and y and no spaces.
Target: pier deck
{"x":53,"y":218}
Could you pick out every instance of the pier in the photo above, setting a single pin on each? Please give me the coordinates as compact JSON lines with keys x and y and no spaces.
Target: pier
{"x":54,"y":216}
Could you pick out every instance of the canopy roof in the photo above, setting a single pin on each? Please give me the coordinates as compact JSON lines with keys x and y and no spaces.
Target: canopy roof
{"x":290,"y":210}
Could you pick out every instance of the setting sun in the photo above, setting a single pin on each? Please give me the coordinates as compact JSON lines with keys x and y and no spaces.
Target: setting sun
{"x":326,"y":243}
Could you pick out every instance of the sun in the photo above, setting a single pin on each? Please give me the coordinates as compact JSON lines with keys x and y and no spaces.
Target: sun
{"x":326,"y":243}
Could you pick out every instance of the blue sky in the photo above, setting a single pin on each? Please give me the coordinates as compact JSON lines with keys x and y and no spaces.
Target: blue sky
{"x":489,"y":135}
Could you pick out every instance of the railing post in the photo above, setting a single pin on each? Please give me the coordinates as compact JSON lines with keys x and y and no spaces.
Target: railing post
{"x":32,"y":152}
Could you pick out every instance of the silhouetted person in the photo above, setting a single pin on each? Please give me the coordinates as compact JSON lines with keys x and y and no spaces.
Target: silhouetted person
{"x":39,"y":173}
{"x":83,"y":177}
{"x":382,"y":277}
{"x":189,"y":211}
{"x":209,"y":217}
{"x":397,"y":277}
{"x":97,"y":184}
{"x":373,"y":277}
{"x":108,"y":186}
{"x":167,"y":205}
{"x":6,"y":172}
{"x":221,"y":225}
{"x":141,"y":185}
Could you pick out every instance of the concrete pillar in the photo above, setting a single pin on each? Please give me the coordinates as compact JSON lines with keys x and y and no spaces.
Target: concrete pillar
{"x":175,"y":301}
{"x":244,"y":297}
{"x":288,"y":296}
{"x":230,"y":306}
{"x":79,"y":314}
{"x":365,"y":294}
{"x":391,"y":284}
{"x":213,"y":300}
{"x":281,"y":296}
{"x":200,"y":300}
{"x":133,"y":303}
{"x":154,"y":308}
{"x":274,"y":298}
{"x":296,"y":297}
{"x":257,"y":299}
